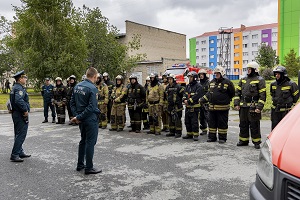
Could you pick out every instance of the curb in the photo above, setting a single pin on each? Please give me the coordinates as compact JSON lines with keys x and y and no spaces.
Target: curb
{"x":31,"y":110}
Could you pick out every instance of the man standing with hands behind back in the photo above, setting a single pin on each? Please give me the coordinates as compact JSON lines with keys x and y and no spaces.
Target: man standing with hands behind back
{"x":85,"y":109}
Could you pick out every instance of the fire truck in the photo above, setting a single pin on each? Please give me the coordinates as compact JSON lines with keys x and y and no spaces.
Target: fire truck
{"x":181,"y":71}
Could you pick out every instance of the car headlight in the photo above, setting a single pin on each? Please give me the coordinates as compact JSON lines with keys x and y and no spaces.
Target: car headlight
{"x":265,"y":168}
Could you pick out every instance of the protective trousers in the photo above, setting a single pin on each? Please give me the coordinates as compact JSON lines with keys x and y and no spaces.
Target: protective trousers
{"x":20,"y":130}
{"x":175,"y":124}
{"x":252,"y":121}
{"x":135,"y":118}
{"x":203,"y":118}
{"x":69,"y":110}
{"x":46,"y":109}
{"x":276,"y":117}
{"x":117,"y":118}
{"x":165,"y":116}
{"x":109,"y":108}
{"x":103,"y":115}
{"x":218,"y":122}
{"x":89,"y":135}
{"x":155,"y":118}
{"x":145,"y":113}
{"x":191,"y":121}
{"x":61,"y":113}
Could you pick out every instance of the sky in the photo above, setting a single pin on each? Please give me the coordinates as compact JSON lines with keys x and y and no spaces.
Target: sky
{"x":189,"y":17}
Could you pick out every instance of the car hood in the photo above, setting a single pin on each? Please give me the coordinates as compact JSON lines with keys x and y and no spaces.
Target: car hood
{"x":285,"y":142}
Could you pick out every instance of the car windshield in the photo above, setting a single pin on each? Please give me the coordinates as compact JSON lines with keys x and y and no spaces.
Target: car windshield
{"x":175,"y":71}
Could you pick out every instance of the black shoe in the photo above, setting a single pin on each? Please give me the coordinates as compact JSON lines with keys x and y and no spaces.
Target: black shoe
{"x":146,"y":128}
{"x":203,"y":133}
{"x":70,"y":123}
{"x":222,"y":141}
{"x":177,"y":135}
{"x":195,"y":138}
{"x":240,"y":143}
{"x":25,"y":155}
{"x":119,"y":130}
{"x":92,"y":171}
{"x":131,"y":130}
{"x":170,"y":134}
{"x":79,"y":168}
{"x":53,"y":120}
{"x":157,"y":133}
{"x":211,"y":140}
{"x":256,"y":146}
{"x":165,"y":130}
{"x":16,"y":159}
{"x":150,"y":132}
{"x":187,"y":137}
{"x":138,"y":131}
{"x":103,"y":127}
{"x":112,"y":129}
{"x":45,"y":121}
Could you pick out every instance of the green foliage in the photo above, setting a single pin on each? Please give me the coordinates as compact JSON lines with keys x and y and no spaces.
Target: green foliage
{"x":267,"y":73}
{"x":292,"y":63}
{"x":266,"y":56}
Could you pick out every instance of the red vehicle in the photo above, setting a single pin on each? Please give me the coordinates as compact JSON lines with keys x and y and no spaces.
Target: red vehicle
{"x":181,"y":71}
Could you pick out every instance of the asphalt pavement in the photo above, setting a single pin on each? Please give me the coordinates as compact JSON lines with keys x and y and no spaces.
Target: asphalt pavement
{"x":135,"y":165}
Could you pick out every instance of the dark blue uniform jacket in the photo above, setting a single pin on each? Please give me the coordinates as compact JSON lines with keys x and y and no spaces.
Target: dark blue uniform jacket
{"x":19,"y":99}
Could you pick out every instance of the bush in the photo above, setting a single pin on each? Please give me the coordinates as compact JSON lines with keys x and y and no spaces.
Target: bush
{"x":267,"y":74}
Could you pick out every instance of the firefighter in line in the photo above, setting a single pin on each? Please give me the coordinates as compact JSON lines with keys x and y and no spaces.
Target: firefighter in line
{"x":70,"y":87}
{"x":135,"y":98}
{"x":164,"y":108}
{"x":193,"y":92}
{"x":174,"y":94}
{"x":250,"y":98}
{"x":110,"y":84}
{"x":203,"y":116}
{"x":118,"y":97}
{"x":47,"y":93}
{"x":155,"y":96}
{"x":145,"y":110}
{"x":221,"y":91}
{"x":59,"y":100}
{"x":102,"y":101}
{"x":284,"y":94}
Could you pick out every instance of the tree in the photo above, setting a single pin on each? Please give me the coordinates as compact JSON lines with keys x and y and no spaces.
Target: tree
{"x":292,"y":63}
{"x":50,"y":43}
{"x":266,"y":56}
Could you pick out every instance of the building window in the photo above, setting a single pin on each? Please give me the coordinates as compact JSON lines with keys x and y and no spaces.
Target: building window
{"x":211,"y":41}
{"x":218,"y":40}
{"x":245,"y":62}
{"x":203,"y":42}
{"x":203,"y":49}
{"x":203,"y":64}
{"x":254,"y":53}
{"x":236,"y":46}
{"x":265,"y":35}
{"x":255,"y":36}
{"x":265,"y":43}
{"x":245,"y":37}
{"x":197,"y":57}
{"x":274,"y":43}
{"x":245,"y":54}
{"x":211,"y":64}
{"x":197,"y":43}
{"x":236,"y":54}
{"x":212,"y":49}
{"x":212,"y":56}
{"x":236,"y":62}
{"x":203,"y":57}
{"x":245,"y":45}
{"x":197,"y":50}
{"x":274,"y":34}
{"x":236,"y":38}
{"x":254,"y":44}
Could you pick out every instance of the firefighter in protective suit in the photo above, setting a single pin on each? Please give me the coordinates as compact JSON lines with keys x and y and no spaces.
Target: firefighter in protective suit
{"x":135,"y":99}
{"x":221,"y":91}
{"x":155,"y":102}
{"x":102,"y":101}
{"x":250,"y":98}
{"x":164,"y":108}
{"x":59,"y":100}
{"x":174,"y":94}
{"x":284,"y":94}
{"x":118,"y":97}
{"x":145,"y":111}
{"x":110,"y":84}
{"x":203,"y":115}
{"x":193,"y":92}
{"x":70,"y":87}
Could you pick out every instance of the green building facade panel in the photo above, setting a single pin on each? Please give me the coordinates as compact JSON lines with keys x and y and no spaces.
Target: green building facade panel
{"x":193,"y":51}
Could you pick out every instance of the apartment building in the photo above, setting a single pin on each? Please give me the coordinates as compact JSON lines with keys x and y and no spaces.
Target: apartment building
{"x":243,"y":43}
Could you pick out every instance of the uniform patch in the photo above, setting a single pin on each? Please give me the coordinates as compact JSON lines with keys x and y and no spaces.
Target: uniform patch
{"x":21,"y":93}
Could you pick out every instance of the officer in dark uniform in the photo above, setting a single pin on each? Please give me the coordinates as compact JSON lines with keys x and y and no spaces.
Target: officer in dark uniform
{"x":85,"y":109}
{"x":284,"y":94}
{"x":59,"y":99}
{"x":250,"y":98}
{"x":110,"y":84}
{"x":221,"y":91}
{"x":70,"y":87}
{"x":145,"y":111}
{"x":136,"y":98}
{"x":20,"y":108}
{"x":174,"y":94}
{"x":47,"y":93}
{"x":193,"y":92}
{"x":204,"y":82}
